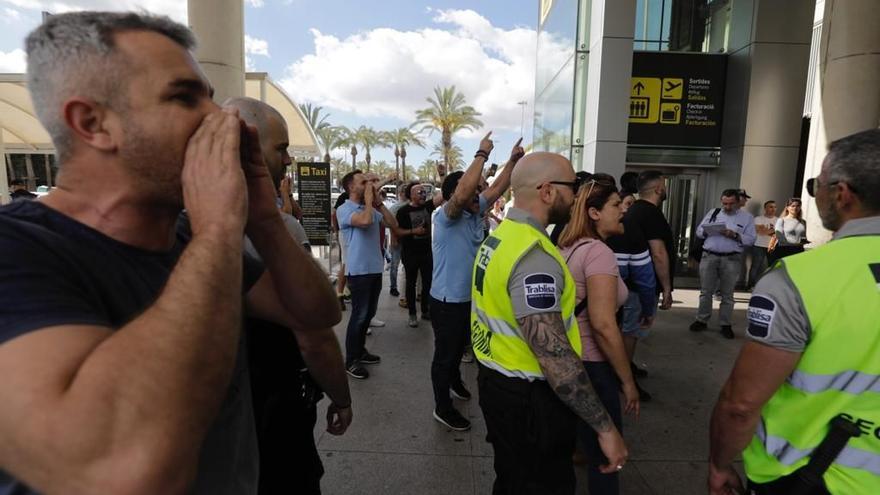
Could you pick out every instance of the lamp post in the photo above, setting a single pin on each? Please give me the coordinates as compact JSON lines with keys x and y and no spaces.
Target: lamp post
{"x":522,"y":116}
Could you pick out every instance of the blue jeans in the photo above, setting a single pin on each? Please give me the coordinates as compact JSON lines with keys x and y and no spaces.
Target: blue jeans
{"x":365,"y":291}
{"x":759,"y":264}
{"x":395,"y":264}
{"x":606,"y":384}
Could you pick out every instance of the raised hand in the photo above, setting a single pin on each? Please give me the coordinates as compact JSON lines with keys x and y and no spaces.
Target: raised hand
{"x":486,"y":144}
{"x":517,"y":152}
{"x":261,"y":191}
{"x":285,"y":187}
{"x":214,"y":192}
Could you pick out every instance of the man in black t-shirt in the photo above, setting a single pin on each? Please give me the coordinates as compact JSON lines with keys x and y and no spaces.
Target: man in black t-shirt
{"x":414,"y":220}
{"x":120,"y":336}
{"x":647,"y":216}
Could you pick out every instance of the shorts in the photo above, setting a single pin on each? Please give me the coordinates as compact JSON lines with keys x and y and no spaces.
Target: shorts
{"x":631,"y":313}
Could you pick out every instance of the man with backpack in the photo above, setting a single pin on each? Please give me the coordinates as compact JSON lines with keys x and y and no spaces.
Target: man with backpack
{"x":727,"y":232}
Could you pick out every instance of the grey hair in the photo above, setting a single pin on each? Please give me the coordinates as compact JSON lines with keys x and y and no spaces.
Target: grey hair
{"x":855,"y":160}
{"x":72,"y":55}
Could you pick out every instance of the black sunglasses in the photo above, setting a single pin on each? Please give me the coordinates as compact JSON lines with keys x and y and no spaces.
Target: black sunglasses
{"x":811,"y":186}
{"x":574,"y":185}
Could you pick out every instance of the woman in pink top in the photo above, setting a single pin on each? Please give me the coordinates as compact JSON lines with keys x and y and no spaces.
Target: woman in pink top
{"x":596,"y":215}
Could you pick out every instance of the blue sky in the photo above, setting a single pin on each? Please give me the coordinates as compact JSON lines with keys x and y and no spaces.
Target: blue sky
{"x":366,"y":62}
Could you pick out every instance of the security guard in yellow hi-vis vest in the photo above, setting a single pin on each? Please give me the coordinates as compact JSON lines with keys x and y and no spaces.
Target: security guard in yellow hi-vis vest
{"x":531,"y":380}
{"x":802,"y":403}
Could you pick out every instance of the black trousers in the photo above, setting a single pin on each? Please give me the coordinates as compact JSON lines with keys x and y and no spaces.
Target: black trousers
{"x":415,"y":263}
{"x":289,"y":460}
{"x":451,"y":324}
{"x":532,"y":434}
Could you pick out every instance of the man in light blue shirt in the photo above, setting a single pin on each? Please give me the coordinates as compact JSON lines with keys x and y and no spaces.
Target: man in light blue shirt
{"x":722,"y":258}
{"x":458,"y":228}
{"x":360,"y":219}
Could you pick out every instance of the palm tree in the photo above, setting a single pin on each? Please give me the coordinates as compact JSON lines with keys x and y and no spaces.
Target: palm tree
{"x":400,"y":139}
{"x":428,"y":171}
{"x":383,"y":168}
{"x":369,"y":138}
{"x":331,"y":138}
{"x":447,"y":115}
{"x":340,"y":167}
{"x":453,"y":157}
{"x":314,"y":117}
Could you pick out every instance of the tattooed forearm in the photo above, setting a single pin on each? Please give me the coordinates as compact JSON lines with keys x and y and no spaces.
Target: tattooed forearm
{"x":545,"y":335}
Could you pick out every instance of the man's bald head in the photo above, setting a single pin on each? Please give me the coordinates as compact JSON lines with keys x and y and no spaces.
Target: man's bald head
{"x":254,"y":112}
{"x":272,"y":130}
{"x":537,"y":168}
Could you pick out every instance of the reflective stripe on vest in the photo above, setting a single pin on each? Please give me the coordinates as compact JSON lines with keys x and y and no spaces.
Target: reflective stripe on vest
{"x":495,"y":332}
{"x":851,"y":382}
{"x":789,"y":455}
{"x":837,"y":374}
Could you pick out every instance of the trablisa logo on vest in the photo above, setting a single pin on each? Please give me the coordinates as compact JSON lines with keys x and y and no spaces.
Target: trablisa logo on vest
{"x":540,"y":289}
{"x":760,"y":315}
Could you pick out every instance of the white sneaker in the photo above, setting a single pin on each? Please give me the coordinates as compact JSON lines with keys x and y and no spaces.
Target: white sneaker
{"x":377,"y":323}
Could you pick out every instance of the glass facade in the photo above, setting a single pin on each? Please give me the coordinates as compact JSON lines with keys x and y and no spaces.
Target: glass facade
{"x":555,"y":76}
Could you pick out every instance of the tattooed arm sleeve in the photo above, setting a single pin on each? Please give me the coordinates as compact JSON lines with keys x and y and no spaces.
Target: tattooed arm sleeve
{"x":545,"y":335}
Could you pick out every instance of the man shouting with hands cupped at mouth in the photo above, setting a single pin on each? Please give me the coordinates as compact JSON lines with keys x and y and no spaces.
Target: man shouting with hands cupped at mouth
{"x":120,"y":339}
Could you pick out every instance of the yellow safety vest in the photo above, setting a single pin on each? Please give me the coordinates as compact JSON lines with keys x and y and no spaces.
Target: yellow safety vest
{"x":497,"y":340}
{"x":838,"y":373}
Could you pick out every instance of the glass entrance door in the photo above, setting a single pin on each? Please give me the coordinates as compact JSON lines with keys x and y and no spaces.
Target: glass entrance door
{"x":680,"y":210}
{"x":683,"y":186}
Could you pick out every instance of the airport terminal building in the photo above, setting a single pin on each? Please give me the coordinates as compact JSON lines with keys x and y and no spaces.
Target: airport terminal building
{"x":716,"y":94}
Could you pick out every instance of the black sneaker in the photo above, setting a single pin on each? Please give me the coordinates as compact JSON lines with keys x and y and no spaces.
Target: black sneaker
{"x":355,"y":370}
{"x":452,"y":419}
{"x":368,"y":358}
{"x":459,"y":392}
{"x":698,"y":326}
{"x":395,"y":292}
{"x":727,"y":331}
{"x":638,"y":372}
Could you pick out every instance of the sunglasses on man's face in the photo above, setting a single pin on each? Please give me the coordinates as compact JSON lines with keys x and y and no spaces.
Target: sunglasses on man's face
{"x":574,"y":185}
{"x":813,"y":184}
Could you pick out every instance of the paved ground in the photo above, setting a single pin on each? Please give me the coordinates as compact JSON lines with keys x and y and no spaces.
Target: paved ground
{"x":395,"y":447}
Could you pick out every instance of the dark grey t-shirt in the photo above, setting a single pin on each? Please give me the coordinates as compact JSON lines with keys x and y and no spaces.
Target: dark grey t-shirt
{"x":537,"y":281}
{"x":57,"y":271}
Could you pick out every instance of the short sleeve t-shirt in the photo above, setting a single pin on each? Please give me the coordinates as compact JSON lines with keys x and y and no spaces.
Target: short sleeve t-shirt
{"x":586,"y":258}
{"x":363,"y":252}
{"x":58,"y":271}
{"x":536,"y":268}
{"x":763,"y":240}
{"x":454,"y":245}
{"x":776,"y":314}
{"x":649,"y":219}
{"x":413,"y":217}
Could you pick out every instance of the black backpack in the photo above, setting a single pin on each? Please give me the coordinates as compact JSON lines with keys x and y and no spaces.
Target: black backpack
{"x":697,"y":247}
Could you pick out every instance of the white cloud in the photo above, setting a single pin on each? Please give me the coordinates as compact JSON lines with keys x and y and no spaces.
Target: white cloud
{"x":10,"y":16}
{"x":387,"y":72}
{"x":14,"y":61}
{"x":256,"y":3}
{"x":176,"y":9}
{"x":256,"y":46}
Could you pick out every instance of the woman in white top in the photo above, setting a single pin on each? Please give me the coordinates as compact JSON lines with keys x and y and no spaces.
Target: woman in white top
{"x":791,"y":231}
{"x":765,"y":226}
